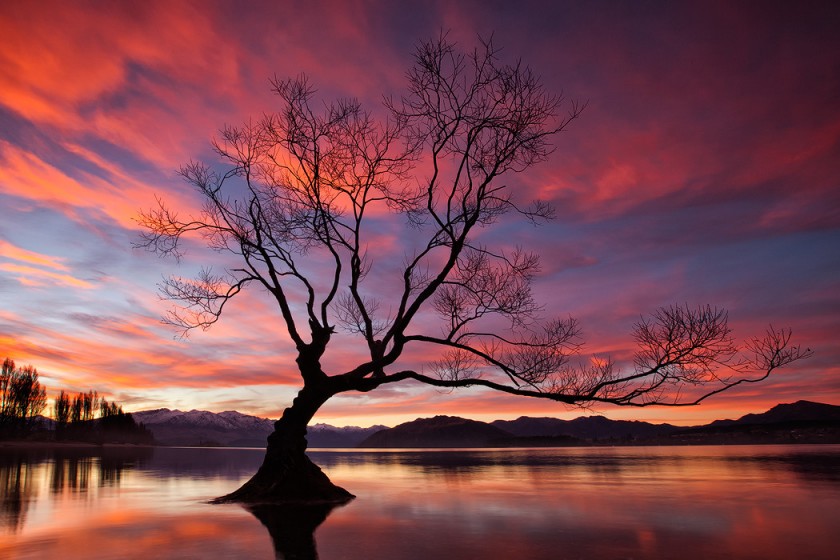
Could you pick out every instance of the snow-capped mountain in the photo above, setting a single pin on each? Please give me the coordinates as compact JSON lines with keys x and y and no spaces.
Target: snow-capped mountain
{"x":234,"y":429}
{"x":324,"y":435}
{"x":200,"y":427}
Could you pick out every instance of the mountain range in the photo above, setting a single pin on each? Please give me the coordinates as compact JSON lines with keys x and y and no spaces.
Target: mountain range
{"x":799,"y":422}
{"x":234,"y":429}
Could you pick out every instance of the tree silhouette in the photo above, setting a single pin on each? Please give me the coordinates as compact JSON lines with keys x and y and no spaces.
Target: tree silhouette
{"x":61,"y":413}
{"x":22,"y":398}
{"x":299,"y":197}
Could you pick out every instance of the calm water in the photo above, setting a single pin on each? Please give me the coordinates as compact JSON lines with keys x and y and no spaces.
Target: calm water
{"x":666,"y":502}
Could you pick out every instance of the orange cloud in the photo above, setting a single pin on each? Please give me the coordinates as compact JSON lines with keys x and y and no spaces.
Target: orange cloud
{"x":32,"y":276}
{"x":9,"y":251}
{"x":49,"y":51}
{"x":121,"y":197}
{"x":127,"y":74}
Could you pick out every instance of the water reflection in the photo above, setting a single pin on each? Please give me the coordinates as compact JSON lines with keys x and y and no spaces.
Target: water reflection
{"x":16,"y":484}
{"x":74,"y":472}
{"x":820,"y":460}
{"x":690,"y":503}
{"x":292,"y":527}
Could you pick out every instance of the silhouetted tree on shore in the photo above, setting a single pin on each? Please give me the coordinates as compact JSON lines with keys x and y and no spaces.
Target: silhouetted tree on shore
{"x":22,"y":398}
{"x":61,"y":410}
{"x":300,"y":201}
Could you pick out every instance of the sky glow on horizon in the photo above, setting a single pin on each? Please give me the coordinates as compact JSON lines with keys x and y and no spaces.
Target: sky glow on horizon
{"x":704,"y":170}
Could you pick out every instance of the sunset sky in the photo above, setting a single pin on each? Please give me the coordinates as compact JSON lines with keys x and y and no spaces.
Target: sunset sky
{"x":705,"y":170}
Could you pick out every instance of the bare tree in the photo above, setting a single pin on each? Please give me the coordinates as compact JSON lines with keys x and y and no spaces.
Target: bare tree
{"x":22,"y":398}
{"x":297,"y":201}
{"x":61,"y":410}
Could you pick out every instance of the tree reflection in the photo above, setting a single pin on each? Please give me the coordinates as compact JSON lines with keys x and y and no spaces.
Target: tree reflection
{"x":16,"y":485}
{"x":71,"y":472}
{"x":292,"y":527}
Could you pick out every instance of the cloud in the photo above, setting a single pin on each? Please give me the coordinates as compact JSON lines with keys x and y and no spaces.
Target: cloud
{"x":12,"y":252}
{"x":36,"y":277}
{"x":29,"y":178}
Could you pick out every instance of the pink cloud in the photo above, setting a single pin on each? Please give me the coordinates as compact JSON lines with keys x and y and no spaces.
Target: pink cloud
{"x":35,"y":277}
{"x":29,"y":177}
{"x":12,"y":252}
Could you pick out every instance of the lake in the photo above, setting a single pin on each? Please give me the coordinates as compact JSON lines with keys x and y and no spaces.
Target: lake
{"x":563,"y":503}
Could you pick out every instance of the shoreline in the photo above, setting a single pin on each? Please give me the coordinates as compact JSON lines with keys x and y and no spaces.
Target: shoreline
{"x":23,"y":444}
{"x":55,"y":445}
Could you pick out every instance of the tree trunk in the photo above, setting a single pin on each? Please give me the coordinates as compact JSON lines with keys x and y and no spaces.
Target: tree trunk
{"x":287,"y":475}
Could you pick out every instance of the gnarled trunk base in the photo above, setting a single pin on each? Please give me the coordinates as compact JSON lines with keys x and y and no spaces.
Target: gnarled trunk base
{"x":299,"y":480}
{"x":287,"y":475}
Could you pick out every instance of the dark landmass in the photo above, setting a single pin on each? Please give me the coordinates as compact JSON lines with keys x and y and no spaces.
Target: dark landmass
{"x":800,"y":422}
{"x":118,"y":429}
{"x":583,"y":428}
{"x":440,"y":431}
{"x":800,"y":411}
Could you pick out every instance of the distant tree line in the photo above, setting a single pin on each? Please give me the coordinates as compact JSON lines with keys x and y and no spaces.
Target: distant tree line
{"x":83,"y":407}
{"x":80,"y":417}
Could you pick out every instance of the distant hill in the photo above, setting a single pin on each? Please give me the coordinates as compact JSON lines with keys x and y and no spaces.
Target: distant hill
{"x":800,"y":411}
{"x":592,"y":428}
{"x":449,"y":431}
{"x":440,"y":431}
{"x":799,"y":422}
{"x":234,"y":429}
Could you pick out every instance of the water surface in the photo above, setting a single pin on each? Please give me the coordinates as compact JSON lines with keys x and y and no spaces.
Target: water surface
{"x":574,"y":503}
